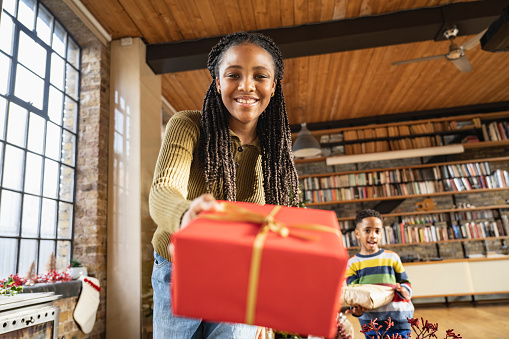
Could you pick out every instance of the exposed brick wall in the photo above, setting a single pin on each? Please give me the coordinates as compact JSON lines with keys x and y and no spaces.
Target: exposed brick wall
{"x":67,"y":327}
{"x":450,"y":250}
{"x":91,"y":208}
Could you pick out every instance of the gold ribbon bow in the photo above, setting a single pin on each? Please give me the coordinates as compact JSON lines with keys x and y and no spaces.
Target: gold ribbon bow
{"x":268,"y":223}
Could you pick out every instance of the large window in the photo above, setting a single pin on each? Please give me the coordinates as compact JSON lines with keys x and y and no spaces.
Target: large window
{"x":39,"y":92}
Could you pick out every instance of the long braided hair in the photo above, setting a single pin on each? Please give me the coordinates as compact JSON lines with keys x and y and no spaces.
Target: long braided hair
{"x":280,"y":179}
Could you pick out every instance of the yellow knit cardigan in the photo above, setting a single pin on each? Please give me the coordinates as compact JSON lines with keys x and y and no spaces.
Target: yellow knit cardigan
{"x":178,"y":178}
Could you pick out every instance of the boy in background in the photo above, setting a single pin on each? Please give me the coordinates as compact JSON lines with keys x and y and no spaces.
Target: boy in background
{"x":373,"y":265}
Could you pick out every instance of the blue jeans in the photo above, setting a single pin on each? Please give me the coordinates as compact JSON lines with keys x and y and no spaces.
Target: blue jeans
{"x":169,"y":326}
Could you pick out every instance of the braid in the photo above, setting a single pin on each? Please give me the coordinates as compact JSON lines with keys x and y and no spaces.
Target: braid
{"x":215,"y":153}
{"x":281,"y":183}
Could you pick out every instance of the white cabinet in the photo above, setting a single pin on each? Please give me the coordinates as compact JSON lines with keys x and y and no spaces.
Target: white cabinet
{"x":459,"y":277}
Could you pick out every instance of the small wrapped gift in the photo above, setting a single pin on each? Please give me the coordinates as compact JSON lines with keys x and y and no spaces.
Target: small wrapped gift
{"x":272,"y":266}
{"x":369,"y":296}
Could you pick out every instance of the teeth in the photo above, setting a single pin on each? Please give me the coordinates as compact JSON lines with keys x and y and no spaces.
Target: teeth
{"x":246,"y":101}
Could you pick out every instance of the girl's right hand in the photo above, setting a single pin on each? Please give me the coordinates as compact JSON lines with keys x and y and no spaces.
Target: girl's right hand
{"x":205,"y":202}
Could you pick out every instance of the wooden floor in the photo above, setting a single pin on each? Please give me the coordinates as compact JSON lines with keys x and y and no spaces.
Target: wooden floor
{"x":472,"y":321}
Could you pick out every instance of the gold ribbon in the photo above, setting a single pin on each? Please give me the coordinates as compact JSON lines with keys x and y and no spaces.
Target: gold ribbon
{"x":268,"y":223}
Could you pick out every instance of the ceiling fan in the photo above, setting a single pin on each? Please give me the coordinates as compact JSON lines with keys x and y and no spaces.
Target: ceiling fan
{"x":456,"y":53}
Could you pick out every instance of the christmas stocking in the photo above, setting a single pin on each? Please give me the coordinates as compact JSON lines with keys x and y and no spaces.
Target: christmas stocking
{"x":86,"y":308}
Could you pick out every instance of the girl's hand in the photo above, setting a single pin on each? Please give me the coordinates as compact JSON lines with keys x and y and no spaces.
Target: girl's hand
{"x":356,"y":310}
{"x":403,"y":291}
{"x":205,"y":202}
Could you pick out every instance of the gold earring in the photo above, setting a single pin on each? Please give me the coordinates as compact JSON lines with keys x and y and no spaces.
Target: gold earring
{"x":218,"y":90}
{"x":272,"y":94}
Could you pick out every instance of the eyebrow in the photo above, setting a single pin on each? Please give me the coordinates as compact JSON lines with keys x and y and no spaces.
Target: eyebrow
{"x":256,"y":68}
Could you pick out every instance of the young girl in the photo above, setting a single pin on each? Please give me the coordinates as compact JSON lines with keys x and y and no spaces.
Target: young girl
{"x":237,"y":148}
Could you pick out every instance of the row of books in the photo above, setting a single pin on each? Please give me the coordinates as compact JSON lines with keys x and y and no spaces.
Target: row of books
{"x":474,"y":215}
{"x":398,"y":233}
{"x":433,"y":218}
{"x":393,"y":145}
{"x":492,"y":132}
{"x":424,"y":219}
{"x":479,"y":230}
{"x":410,"y":129}
{"x":418,"y":142}
{"x":398,"y":176}
{"x":367,"y":147}
{"x":496,"y":131}
{"x":497,"y":180}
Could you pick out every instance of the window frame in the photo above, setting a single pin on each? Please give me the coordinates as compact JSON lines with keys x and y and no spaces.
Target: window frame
{"x":9,"y":97}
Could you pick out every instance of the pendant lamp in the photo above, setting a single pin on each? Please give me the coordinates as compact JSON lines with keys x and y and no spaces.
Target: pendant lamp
{"x":305,"y":145}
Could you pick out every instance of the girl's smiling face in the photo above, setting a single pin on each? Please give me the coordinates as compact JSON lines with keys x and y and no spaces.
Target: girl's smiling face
{"x":246,"y":79}
{"x":369,"y":233}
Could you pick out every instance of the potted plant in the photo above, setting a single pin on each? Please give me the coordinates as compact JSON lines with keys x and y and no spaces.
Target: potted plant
{"x":77,"y":269}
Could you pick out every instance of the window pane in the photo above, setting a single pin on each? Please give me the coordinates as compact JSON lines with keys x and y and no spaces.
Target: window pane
{"x":36,"y":133}
{"x":63,"y":254}
{"x":26,"y":13}
{"x":1,"y":157}
{"x":32,"y":55}
{"x":68,"y":148}
{"x":3,"y":106}
{"x":30,"y":220}
{"x":13,"y":168}
{"x":66,"y":183}
{"x":70,"y":114}
{"x":10,"y":213}
{"x":33,"y":174}
{"x":71,"y":82}
{"x":6,"y":32}
{"x":65,"y":213}
{"x":5,"y":67}
{"x":44,"y":19}
{"x":48,"y":218}
{"x":56,"y":99}
{"x":47,"y":247}
{"x":29,"y":87}
{"x":73,"y":54}
{"x":9,"y":6}
{"x":59,"y":35}
{"x":50,"y":179}
{"x":57,"y":71}
{"x":8,"y":255}
{"x":27,"y":255}
{"x":17,"y":125}
{"x":53,"y":134}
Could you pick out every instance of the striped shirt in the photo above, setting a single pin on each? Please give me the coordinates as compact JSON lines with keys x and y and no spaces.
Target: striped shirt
{"x":179,"y":178}
{"x":382,"y":268}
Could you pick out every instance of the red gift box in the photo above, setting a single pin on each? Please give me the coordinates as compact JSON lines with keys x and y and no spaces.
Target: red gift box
{"x":284,"y":271}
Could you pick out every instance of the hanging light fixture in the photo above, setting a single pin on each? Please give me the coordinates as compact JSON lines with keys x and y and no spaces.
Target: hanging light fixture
{"x":306,"y":145}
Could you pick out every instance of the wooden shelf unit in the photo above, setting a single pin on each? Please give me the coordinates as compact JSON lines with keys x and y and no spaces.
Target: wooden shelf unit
{"x":416,"y":233}
{"x":416,"y":132}
{"x":400,"y":182}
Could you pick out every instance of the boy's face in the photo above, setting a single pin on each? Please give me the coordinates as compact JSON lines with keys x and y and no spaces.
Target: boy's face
{"x":369,"y":233}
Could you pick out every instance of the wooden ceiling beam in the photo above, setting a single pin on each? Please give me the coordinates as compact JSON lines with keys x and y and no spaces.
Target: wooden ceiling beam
{"x":342,"y":35}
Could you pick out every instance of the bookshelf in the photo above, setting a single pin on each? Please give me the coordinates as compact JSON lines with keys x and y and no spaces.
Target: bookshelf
{"x":438,"y":227}
{"x":473,"y":131}
{"x":418,"y":181}
{"x":404,"y":182}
